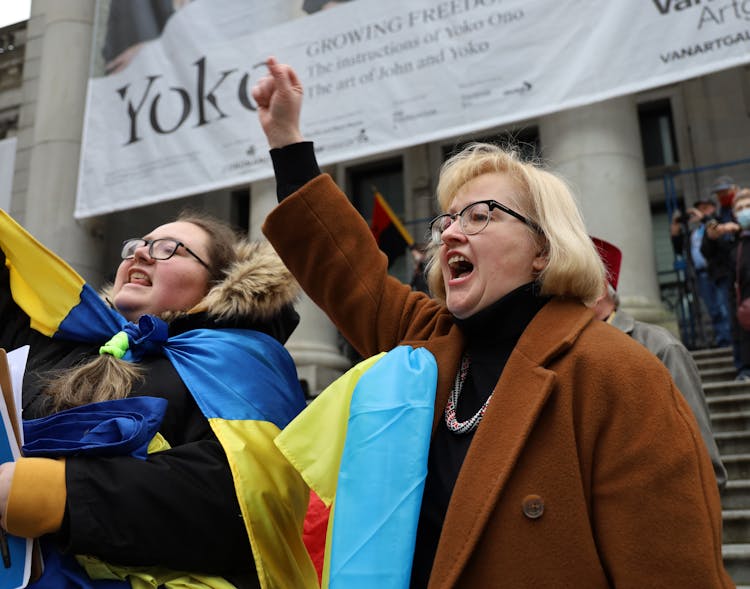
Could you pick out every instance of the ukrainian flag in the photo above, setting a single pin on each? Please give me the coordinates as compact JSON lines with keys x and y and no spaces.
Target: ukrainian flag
{"x":362,"y":447}
{"x":57,"y":300}
{"x":245,"y":383}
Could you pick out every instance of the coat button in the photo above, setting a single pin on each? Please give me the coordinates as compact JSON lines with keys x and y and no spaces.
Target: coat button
{"x":533,"y":506}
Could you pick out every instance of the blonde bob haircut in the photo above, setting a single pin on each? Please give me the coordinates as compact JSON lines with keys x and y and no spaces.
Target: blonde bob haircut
{"x":574,"y":268}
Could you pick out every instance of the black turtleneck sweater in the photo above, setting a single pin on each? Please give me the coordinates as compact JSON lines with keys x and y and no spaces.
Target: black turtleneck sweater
{"x":491,"y":335}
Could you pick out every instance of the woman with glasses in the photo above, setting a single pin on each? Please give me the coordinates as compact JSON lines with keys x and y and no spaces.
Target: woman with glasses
{"x":562,"y":455}
{"x":203,"y":316}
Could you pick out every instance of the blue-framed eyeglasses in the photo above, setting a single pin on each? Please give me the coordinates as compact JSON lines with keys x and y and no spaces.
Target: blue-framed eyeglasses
{"x":158,"y":249}
{"x":473,"y":218}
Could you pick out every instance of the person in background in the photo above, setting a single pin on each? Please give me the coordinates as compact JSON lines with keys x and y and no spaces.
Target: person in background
{"x":724,"y":189}
{"x":197,"y":322}
{"x":130,"y":24}
{"x":665,"y":346}
{"x":739,"y":258}
{"x":717,"y":247}
{"x":541,"y":445}
{"x":687,"y":238}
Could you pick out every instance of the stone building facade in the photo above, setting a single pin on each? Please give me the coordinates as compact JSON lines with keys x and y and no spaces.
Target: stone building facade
{"x":616,"y":154}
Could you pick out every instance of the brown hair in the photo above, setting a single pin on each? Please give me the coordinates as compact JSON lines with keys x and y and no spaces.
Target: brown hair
{"x":106,"y":377}
{"x":222,"y":239}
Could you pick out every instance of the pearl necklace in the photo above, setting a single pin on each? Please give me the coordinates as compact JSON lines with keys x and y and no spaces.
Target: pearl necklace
{"x":462,"y":427}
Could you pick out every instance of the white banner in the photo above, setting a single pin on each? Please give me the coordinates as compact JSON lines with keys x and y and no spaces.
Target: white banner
{"x":378,"y":75}
{"x":7,"y":165}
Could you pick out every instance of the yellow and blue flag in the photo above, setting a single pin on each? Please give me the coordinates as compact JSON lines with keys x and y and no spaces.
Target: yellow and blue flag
{"x":245,"y":383}
{"x":362,"y":446}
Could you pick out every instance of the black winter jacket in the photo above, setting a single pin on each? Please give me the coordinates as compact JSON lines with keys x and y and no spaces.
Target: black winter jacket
{"x":178,"y":508}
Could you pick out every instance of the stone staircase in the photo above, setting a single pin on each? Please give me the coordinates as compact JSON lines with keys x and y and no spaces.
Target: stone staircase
{"x":729,"y":405}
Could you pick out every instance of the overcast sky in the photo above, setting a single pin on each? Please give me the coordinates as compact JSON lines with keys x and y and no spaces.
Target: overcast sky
{"x":13,"y":11}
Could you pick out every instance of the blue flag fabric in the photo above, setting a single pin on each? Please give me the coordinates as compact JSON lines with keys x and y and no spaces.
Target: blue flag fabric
{"x":109,"y":428}
{"x":362,"y":446}
{"x":62,"y":571}
{"x":383,"y":470}
{"x":244,"y":381}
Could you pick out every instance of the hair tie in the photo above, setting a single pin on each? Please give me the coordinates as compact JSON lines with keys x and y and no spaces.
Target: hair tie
{"x":117,"y":346}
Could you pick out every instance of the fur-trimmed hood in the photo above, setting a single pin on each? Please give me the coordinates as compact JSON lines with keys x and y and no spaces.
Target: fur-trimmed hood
{"x":256,"y":286}
{"x":257,"y":292}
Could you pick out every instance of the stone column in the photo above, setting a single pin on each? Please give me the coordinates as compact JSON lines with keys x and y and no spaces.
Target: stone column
{"x":314,"y":344}
{"x":64,"y":31}
{"x":597,"y":149}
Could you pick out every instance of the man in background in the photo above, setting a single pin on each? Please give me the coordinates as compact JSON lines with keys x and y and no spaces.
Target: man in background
{"x":665,"y":346}
{"x":687,"y":238}
{"x":717,"y":248}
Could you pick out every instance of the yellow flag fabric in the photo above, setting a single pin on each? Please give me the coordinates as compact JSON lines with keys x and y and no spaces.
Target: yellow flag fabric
{"x":319,"y":463}
{"x":150,"y":577}
{"x":32,"y":265}
{"x":273,"y":499}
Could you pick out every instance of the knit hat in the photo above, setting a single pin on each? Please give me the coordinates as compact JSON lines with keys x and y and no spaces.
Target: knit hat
{"x":612,"y":258}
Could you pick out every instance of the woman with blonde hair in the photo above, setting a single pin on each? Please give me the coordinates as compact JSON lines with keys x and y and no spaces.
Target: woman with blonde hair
{"x":572,"y":267}
{"x":561,"y":453}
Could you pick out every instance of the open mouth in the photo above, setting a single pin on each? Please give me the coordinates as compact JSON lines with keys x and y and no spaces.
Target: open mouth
{"x":137,"y":277}
{"x":459,"y":266}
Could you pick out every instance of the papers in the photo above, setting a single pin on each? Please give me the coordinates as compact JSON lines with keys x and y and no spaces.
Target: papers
{"x":15,"y":562}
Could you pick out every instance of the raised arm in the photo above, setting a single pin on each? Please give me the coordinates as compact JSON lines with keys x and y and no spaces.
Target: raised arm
{"x":279,"y":98}
{"x":316,"y":221}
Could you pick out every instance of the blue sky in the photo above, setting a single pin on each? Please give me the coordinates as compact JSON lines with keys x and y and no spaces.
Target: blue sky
{"x":13,"y":11}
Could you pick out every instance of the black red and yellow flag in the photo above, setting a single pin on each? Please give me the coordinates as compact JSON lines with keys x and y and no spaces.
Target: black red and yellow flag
{"x":392,"y":237}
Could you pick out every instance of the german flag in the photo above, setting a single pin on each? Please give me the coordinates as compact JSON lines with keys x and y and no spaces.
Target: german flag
{"x":392,"y":237}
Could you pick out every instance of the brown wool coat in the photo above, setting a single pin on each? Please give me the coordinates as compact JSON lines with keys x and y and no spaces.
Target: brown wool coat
{"x":588,"y":469}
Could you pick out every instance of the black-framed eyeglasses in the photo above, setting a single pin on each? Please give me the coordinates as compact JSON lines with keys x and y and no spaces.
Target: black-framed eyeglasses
{"x":473,"y":218}
{"x":158,"y":249}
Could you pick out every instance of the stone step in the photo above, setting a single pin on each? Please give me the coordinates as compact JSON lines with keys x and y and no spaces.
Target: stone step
{"x":729,"y":408}
{"x":733,"y":403}
{"x":721,"y":374}
{"x":736,"y":527}
{"x":715,"y":362}
{"x":730,"y":421}
{"x":708,"y":353}
{"x":735,"y":442}
{"x":737,"y":562}
{"x":732,"y":387}
{"x":738,"y":466}
{"x":736,"y":495}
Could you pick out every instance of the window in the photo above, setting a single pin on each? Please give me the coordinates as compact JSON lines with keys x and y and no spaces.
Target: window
{"x":239,"y":209}
{"x":12,"y":53}
{"x":657,"y":135}
{"x":8,"y":123}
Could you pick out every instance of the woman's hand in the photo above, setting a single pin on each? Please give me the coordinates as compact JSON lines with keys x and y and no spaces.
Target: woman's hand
{"x":6,"y":479}
{"x":279,"y":98}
